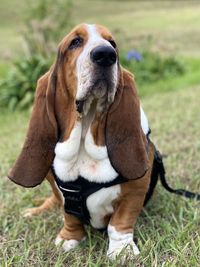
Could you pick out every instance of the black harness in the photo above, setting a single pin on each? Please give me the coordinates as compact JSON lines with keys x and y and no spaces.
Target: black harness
{"x":76,"y":192}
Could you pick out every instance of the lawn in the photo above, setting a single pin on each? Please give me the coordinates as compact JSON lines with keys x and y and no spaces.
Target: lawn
{"x":168,"y":230}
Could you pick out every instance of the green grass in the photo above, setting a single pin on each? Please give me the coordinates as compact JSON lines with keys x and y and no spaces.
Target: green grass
{"x":167,"y":231}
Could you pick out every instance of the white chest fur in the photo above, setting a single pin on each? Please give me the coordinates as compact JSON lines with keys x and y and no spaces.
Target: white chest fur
{"x":100,"y":203}
{"x":80,"y":156}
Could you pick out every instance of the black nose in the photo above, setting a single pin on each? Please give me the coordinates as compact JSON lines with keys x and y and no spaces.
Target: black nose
{"x":104,"y":56}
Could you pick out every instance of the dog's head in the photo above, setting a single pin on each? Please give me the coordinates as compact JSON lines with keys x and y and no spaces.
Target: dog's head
{"x":89,"y":60}
{"x":86,"y":70}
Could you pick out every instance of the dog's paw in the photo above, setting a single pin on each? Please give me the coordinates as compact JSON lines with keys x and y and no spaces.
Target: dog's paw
{"x":58,"y":241}
{"x":30,"y":212}
{"x":121,"y":245}
{"x":123,"y":252}
{"x":70,"y":244}
{"x":67,"y":245}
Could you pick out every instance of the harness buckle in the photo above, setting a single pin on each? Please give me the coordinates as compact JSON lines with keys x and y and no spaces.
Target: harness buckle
{"x":73,"y":203}
{"x":73,"y":200}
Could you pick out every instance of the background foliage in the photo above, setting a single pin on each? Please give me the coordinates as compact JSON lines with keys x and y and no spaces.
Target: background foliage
{"x":152,"y":67}
{"x":46,"y":22}
{"x":18,"y":88}
{"x":42,"y":21}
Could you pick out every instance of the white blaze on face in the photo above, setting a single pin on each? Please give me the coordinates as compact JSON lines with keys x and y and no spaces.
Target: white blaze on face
{"x":85,"y":67}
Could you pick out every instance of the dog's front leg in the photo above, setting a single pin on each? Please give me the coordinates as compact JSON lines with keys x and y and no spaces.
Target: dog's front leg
{"x":122,"y":222}
{"x":126,"y":211}
{"x":72,"y":233}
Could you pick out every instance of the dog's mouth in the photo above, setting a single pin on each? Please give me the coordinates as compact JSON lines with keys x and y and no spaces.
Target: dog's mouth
{"x":79,"y":106}
{"x":100,"y":88}
{"x":97,"y":92}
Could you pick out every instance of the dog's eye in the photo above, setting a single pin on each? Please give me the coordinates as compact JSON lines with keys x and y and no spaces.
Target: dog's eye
{"x":112,"y":42}
{"x":76,"y":42}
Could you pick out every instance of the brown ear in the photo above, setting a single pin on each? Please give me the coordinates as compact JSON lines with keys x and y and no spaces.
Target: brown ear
{"x":125,"y":140}
{"x":53,"y":115}
{"x":37,"y":153}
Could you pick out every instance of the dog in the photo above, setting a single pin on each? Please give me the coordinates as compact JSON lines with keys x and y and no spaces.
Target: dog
{"x":89,"y":137}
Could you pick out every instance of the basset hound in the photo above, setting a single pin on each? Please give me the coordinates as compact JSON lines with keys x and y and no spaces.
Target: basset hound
{"x":88,"y":135}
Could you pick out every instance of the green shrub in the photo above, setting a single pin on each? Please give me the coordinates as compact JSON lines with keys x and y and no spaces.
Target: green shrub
{"x":18,"y":87}
{"x":150,"y":67}
{"x":46,"y":22}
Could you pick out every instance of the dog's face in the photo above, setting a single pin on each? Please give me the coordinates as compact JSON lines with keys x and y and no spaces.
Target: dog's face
{"x":91,"y":64}
{"x":97,"y":65}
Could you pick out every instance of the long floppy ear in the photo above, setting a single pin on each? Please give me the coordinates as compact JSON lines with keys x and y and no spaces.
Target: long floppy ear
{"x":125,"y":140}
{"x":48,"y":122}
{"x":37,"y":153}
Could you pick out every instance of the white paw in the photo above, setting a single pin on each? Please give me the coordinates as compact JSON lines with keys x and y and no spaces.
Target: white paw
{"x":70,"y":244}
{"x":121,"y":243}
{"x":58,"y":240}
{"x":67,"y":245}
{"x":28,"y":212}
{"x":127,"y":251}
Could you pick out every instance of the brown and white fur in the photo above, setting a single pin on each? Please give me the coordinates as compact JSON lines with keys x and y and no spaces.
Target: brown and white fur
{"x":105,"y":138}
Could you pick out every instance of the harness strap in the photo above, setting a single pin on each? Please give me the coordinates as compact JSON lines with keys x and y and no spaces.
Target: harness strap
{"x":161,"y":170}
{"x":76,"y":192}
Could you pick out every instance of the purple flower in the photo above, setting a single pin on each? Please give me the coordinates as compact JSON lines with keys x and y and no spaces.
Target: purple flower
{"x":133,"y":54}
